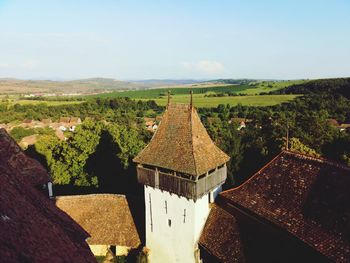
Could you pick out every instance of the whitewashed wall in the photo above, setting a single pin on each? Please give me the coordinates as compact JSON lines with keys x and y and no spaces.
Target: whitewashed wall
{"x":178,"y":242}
{"x":99,"y":250}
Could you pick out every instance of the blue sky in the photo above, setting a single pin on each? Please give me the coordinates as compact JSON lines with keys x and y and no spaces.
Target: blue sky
{"x":202,"y":39}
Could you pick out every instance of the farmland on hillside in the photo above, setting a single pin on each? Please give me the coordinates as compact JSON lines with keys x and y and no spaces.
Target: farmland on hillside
{"x":207,"y":102}
{"x":253,"y":88}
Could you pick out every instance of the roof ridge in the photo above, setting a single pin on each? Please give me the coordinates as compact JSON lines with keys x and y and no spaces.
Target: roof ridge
{"x":192,"y":141}
{"x":253,"y":176}
{"x":317,"y":159}
{"x":87,"y":196}
{"x":154,"y":134}
{"x":296,"y":154}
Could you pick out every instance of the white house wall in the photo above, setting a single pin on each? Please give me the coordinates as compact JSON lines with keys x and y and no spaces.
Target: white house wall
{"x":99,"y":250}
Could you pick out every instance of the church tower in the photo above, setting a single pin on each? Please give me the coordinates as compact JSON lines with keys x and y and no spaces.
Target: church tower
{"x":182,"y":172}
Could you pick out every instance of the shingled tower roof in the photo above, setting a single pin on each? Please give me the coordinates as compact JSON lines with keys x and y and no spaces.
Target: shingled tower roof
{"x":182,"y":144}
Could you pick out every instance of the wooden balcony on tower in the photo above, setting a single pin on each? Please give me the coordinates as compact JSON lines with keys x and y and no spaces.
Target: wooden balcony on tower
{"x":187,"y":186}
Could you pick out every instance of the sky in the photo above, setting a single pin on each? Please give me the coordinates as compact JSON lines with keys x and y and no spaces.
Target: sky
{"x":174,"y":39}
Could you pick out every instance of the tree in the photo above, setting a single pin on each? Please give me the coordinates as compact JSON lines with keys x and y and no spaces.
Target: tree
{"x":296,"y":145}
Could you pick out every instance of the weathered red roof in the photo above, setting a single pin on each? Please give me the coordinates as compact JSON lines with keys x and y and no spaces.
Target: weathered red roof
{"x":305,"y":196}
{"x":32,"y":228}
{"x":221,"y":237}
{"x":182,"y":144}
{"x":12,"y":156}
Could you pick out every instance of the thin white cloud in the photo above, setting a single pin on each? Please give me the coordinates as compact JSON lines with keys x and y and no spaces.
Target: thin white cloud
{"x":4,"y":65}
{"x":205,"y":66}
{"x":30,"y":64}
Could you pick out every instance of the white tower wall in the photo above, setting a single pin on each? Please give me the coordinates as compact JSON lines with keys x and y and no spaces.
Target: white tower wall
{"x":174,"y":240}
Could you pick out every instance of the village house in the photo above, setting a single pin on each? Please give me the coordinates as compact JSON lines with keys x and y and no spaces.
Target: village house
{"x":341,"y":127}
{"x":108,"y":220}
{"x":32,"y":228}
{"x":151,"y":124}
{"x":344,"y":126}
{"x":241,"y":122}
{"x":28,"y":140}
{"x":69,"y":121}
{"x":333,"y":122}
{"x":27,"y":123}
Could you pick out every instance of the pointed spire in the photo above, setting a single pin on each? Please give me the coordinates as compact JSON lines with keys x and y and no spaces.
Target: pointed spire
{"x":287,"y":137}
{"x":168,"y":97}
{"x":191,"y":101}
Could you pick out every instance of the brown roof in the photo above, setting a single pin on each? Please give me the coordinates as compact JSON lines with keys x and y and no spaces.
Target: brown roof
{"x":75,"y":120}
{"x":182,"y":144}
{"x":29,"y":140}
{"x":27,"y":121}
{"x":106,"y":217}
{"x":221,"y":237}
{"x":32,"y":229}
{"x":333,"y":122}
{"x":46,"y":121}
{"x":64,"y":119}
{"x":305,"y":196}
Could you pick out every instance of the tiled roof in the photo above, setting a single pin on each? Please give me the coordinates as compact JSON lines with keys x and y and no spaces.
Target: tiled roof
{"x":106,"y":217}
{"x":12,"y":156}
{"x":182,"y":144}
{"x":221,"y":237}
{"x":32,"y":228}
{"x":305,"y":196}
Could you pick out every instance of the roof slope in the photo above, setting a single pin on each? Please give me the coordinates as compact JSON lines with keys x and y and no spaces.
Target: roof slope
{"x":106,"y":217}
{"x":221,"y":237}
{"x":308,"y":197}
{"x":182,"y":144}
{"x":32,"y":228}
{"x":12,"y":156}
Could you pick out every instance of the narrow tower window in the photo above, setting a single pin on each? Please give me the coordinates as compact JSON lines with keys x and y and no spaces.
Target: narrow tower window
{"x":150,"y":212}
{"x":169,"y":222}
{"x":166,"y":207}
{"x":184,"y":215}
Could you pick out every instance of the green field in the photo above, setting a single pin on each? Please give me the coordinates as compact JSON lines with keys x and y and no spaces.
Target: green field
{"x":251,"y":89}
{"x":268,"y":86}
{"x":208,"y":102}
{"x":204,"y":96}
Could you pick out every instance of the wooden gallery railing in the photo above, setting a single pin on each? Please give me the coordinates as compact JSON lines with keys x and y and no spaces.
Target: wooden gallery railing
{"x":179,"y":185}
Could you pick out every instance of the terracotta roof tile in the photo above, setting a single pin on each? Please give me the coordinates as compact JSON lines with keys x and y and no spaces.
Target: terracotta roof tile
{"x":12,"y":156}
{"x":221,"y":237}
{"x":182,"y":144}
{"x":32,"y":228}
{"x":306,"y":196}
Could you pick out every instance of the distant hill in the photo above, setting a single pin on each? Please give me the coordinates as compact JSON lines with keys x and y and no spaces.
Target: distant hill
{"x":85,"y":86}
{"x":170,"y":82}
{"x":16,"y":86}
{"x":101,"y":85}
{"x":234,"y":81}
